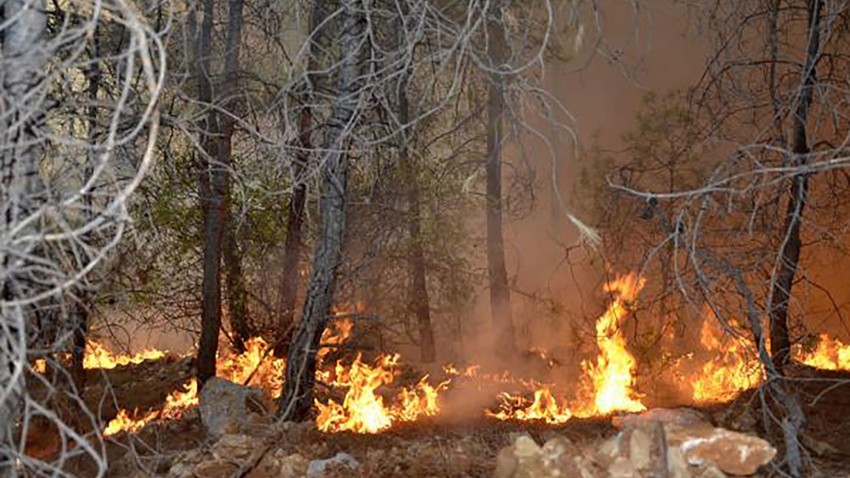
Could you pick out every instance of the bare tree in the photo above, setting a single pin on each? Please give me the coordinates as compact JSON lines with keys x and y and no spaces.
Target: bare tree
{"x":63,"y":215}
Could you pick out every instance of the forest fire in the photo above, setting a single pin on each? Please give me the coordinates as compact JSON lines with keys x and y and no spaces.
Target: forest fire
{"x":607,"y":385}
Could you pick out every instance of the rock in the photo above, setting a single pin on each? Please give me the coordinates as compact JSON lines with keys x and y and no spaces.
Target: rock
{"x":677,"y":464}
{"x":280,"y":465}
{"x":683,"y":417}
{"x":236,"y":448}
{"x":622,"y":468}
{"x":709,"y":471}
{"x":558,"y":457}
{"x":525,"y":447}
{"x":732,"y":452}
{"x":227,"y":407}
{"x":215,"y":469}
{"x":318,"y":467}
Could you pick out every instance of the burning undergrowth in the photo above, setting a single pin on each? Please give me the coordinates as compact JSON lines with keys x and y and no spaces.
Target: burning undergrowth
{"x":367,"y":395}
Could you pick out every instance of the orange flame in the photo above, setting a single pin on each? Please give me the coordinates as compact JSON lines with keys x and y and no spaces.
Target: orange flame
{"x":732,"y":369}
{"x":363,"y":410}
{"x":98,"y":356}
{"x":830,"y":354}
{"x":545,"y":407}
{"x":613,"y":375}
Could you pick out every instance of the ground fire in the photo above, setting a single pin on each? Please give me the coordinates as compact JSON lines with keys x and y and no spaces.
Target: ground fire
{"x":608,"y":384}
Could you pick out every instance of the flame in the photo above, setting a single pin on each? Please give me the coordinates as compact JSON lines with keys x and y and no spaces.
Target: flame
{"x":363,"y":410}
{"x":613,"y":375}
{"x":830,"y":354}
{"x":732,"y":369}
{"x":124,"y":423}
{"x":98,"y":356}
{"x":256,"y":366}
{"x":545,"y":407}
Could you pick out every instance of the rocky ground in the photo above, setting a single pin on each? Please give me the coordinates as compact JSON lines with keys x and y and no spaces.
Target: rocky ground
{"x":676,"y":444}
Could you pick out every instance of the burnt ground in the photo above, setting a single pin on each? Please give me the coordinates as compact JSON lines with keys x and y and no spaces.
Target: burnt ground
{"x":462,"y":447}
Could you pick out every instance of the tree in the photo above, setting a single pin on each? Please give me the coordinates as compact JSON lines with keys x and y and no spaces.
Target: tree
{"x":296,"y":401}
{"x":500,"y":294}
{"x":769,"y":137}
{"x":217,"y":133}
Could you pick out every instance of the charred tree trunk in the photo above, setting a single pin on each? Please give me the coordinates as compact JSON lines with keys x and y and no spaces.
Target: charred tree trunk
{"x":783,"y":280}
{"x":25,"y":49}
{"x":215,"y":179}
{"x":297,"y":398}
{"x":500,"y":294}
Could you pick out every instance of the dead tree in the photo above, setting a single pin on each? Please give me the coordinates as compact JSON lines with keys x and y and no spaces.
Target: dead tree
{"x":296,"y":401}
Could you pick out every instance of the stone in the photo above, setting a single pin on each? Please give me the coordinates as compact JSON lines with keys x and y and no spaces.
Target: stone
{"x":640,"y":449}
{"x":558,"y":457}
{"x":236,"y":448}
{"x":215,"y":469}
{"x":525,"y":447}
{"x":622,"y":468}
{"x":677,"y":464}
{"x":229,"y":408}
{"x":709,"y":471}
{"x":317,"y":468}
{"x":732,"y":452}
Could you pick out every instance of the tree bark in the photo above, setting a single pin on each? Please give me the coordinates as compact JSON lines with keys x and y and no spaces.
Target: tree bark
{"x":500,"y":294}
{"x":780,"y":341}
{"x":297,"y":399}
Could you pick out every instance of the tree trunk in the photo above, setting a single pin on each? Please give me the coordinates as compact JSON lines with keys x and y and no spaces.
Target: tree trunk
{"x":416,"y":255}
{"x":211,"y":207}
{"x":237,"y":296}
{"x":215,"y":180}
{"x":295,"y":213}
{"x":783,"y":280}
{"x":297,"y":398}
{"x":25,"y":47}
{"x":500,"y":294}
{"x":236,"y":293}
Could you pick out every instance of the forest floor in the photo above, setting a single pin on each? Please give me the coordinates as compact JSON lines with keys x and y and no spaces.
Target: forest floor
{"x":435,"y":447}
